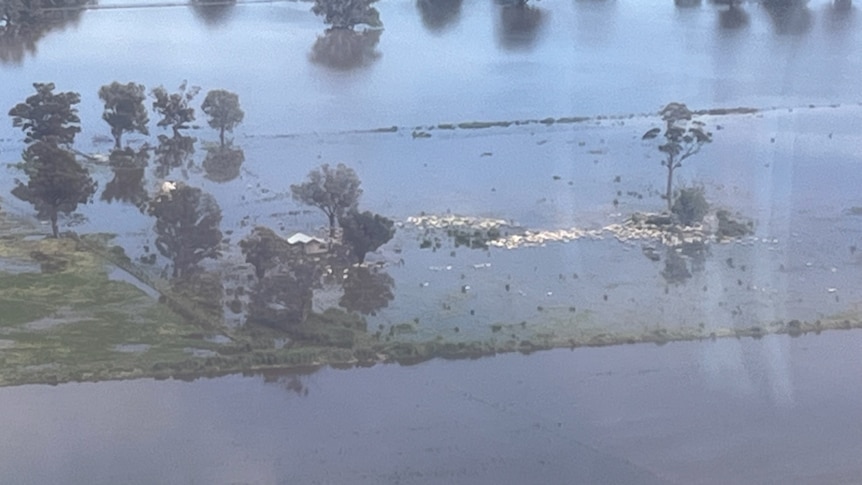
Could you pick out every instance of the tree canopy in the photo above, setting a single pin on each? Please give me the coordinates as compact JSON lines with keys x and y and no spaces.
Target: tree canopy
{"x":124,"y":109}
{"x":334,"y":191}
{"x":222,"y":108}
{"x":365,"y":232}
{"x":57,"y":183}
{"x":366,"y":290}
{"x":264,"y":249}
{"x":48,"y":116}
{"x":128,"y":183}
{"x":187,"y":226}
{"x":346,"y":14}
{"x":683,"y":137}
{"x":174,"y":108}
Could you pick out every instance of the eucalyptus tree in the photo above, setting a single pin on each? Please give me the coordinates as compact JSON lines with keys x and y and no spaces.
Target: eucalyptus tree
{"x":223,"y":111}
{"x":683,"y":138}
{"x":332,"y":190}
{"x":124,"y":109}
{"x":48,"y":116}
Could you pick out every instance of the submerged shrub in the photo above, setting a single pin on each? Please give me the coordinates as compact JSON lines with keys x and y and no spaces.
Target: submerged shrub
{"x":690,"y":206}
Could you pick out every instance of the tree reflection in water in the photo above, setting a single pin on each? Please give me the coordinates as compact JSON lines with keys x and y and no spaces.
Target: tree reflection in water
{"x":734,"y":17}
{"x":24,"y":23}
{"x":346,"y":49}
{"x":222,"y":164}
{"x":789,"y":17}
{"x":174,"y":152}
{"x":437,"y":15}
{"x":681,"y":262}
{"x":213,"y":13}
{"x":520,"y":25}
{"x":128,"y":183}
{"x":366,"y":290}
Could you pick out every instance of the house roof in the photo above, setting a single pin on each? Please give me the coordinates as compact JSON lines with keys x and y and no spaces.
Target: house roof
{"x":301,"y":238}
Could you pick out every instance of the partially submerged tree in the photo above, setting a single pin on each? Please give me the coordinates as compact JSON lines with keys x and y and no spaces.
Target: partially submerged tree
{"x":346,"y":14}
{"x":56,"y":184}
{"x":173,"y":152}
{"x":222,"y":108}
{"x":124,"y":109}
{"x":364,"y":232}
{"x":48,"y":116}
{"x":334,"y":191}
{"x":187,"y":225}
{"x":174,"y":108}
{"x":683,"y":137}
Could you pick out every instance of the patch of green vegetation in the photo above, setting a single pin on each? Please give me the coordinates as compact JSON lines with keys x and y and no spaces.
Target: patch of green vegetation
{"x":730,"y":228}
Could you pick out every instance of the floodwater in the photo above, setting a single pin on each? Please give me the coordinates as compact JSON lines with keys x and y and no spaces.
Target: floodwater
{"x":776,"y":410}
{"x":770,"y":411}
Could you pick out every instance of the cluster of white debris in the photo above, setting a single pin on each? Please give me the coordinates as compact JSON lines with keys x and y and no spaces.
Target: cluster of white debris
{"x":453,"y":221}
{"x":629,"y":231}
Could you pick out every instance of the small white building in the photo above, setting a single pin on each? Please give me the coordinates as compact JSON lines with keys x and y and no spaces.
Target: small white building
{"x":310,"y":245}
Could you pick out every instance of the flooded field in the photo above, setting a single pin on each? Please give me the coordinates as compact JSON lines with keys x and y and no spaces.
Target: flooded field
{"x":511,"y":153}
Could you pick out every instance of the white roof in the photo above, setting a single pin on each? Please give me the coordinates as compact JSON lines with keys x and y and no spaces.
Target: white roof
{"x":300,"y":238}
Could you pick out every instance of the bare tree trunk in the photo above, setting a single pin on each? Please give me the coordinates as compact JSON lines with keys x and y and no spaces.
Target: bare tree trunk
{"x":54,"y":227}
{"x":669,"y":190}
{"x":221,"y":137}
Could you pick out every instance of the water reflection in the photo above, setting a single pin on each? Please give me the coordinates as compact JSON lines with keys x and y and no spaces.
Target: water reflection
{"x":187,"y":226}
{"x":520,"y":26}
{"x":223,"y":164}
{"x":127,"y":185}
{"x":438,"y":15}
{"x":680,"y":263}
{"x":734,"y":17}
{"x":789,"y":17}
{"x":174,"y":152}
{"x":366,"y":290}
{"x":24,"y":23}
{"x":346,"y":49}
{"x":213,"y":13}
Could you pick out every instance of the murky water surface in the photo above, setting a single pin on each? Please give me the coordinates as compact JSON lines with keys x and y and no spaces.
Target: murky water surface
{"x":730,"y":411}
{"x":777,"y":410}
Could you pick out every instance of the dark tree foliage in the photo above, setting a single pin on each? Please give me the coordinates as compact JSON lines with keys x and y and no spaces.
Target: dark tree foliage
{"x":187,"y":226}
{"x":56,"y":184}
{"x":128,"y":183}
{"x":732,"y":18}
{"x":346,"y":14}
{"x":174,"y":108}
{"x":173,"y":152}
{"x":284,"y":297}
{"x":48,"y":116}
{"x":334,"y":191}
{"x":264,"y":249}
{"x":223,"y":164}
{"x":439,"y":14}
{"x":223,"y":111}
{"x":683,"y":137}
{"x":124,"y":109}
{"x":366,"y":290}
{"x":344,"y":49}
{"x":364,"y":232}
{"x":675,"y":270}
{"x":520,"y":25}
